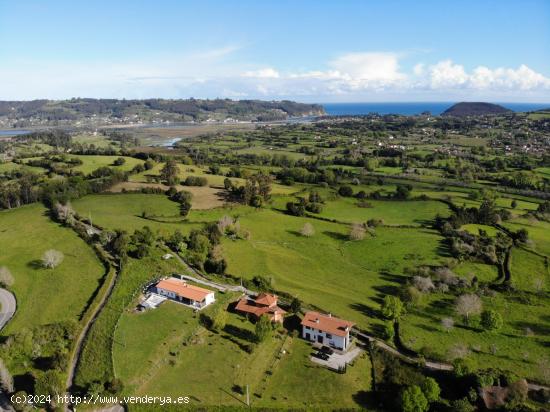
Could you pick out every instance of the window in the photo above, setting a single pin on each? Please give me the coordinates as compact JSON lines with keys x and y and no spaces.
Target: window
{"x":329,"y":336}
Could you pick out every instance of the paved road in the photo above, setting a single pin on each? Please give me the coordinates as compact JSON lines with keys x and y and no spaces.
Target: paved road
{"x":7,"y":310}
{"x":7,"y":307}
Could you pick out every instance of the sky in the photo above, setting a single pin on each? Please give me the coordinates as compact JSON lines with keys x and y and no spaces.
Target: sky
{"x":304,"y":50}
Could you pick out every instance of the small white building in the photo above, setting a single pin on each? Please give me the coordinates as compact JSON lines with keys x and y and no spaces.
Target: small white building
{"x":181,"y":291}
{"x":326,"y":330}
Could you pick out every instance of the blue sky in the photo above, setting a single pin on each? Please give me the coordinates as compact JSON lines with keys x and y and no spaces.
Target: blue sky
{"x":303,"y":50}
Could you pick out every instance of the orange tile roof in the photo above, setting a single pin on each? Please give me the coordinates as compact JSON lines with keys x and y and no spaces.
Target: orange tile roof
{"x":250,"y":306}
{"x":266,"y":299}
{"x":183,"y":289}
{"x":327,"y":323}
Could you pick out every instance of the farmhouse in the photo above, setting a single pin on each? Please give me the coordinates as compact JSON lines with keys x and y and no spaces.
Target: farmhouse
{"x":181,"y":291}
{"x":263,"y":304}
{"x":326,"y":330}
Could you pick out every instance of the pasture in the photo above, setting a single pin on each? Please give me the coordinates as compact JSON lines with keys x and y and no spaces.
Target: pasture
{"x":45,"y":295}
{"x":181,"y":356}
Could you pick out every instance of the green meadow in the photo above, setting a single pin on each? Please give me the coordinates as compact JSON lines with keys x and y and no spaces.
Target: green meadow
{"x":45,"y":295}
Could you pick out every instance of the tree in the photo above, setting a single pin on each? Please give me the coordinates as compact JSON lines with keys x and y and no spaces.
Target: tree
{"x":431,"y":389}
{"x":143,"y":240}
{"x":462,"y":405}
{"x":6,"y":380}
{"x":6,"y":278}
{"x":389,"y":331}
{"x":119,"y":161}
{"x":263,"y":328}
{"x":357,"y":232}
{"x":295,"y":305}
{"x":64,"y":213}
{"x":219,"y":319}
{"x":514,"y":204}
{"x":345,"y":191}
{"x":170,"y":172}
{"x":52,"y":258}
{"x":423,"y":284}
{"x":468,"y":305}
{"x":447,"y":324}
{"x":392,"y":307}
{"x":413,"y":400}
{"x":491,"y":320}
{"x":307,"y":230}
{"x":227,"y":183}
{"x":403,"y":192}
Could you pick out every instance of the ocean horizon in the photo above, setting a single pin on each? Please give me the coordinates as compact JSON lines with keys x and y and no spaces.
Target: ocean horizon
{"x":412,"y":108}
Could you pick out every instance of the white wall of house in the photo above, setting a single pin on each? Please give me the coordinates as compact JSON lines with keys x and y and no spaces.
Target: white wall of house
{"x":209,"y":299}
{"x":167,"y":293}
{"x":323,"y":338}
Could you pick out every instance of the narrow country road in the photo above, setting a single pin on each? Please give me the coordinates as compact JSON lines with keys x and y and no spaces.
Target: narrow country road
{"x":7,"y":307}
{"x":7,"y":310}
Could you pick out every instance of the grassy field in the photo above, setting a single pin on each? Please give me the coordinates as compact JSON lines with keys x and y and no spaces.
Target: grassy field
{"x":213,"y":180}
{"x":91,"y":163}
{"x":204,"y":197}
{"x":179,"y":357}
{"x":124,"y":211}
{"x":45,"y":295}
{"x":474,"y":229}
{"x":518,"y":346}
{"x":343,"y":277}
{"x":391,"y":212}
{"x":96,"y":362}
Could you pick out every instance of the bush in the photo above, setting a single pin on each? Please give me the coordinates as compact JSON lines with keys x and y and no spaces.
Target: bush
{"x":431,"y":389}
{"x":314,"y":207}
{"x":195,"y":181}
{"x":413,"y":400}
{"x":345,"y":191}
{"x":392,"y":307}
{"x":491,"y":320}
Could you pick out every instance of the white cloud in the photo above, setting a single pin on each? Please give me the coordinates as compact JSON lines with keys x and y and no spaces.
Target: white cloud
{"x":447,"y":74}
{"x":267,"y":73}
{"x":369,"y":68}
{"x":214,"y":73}
{"x":419,"y":69}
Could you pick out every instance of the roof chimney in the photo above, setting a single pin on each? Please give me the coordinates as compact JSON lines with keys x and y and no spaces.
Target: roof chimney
{"x":317,"y":320}
{"x":330,"y":315}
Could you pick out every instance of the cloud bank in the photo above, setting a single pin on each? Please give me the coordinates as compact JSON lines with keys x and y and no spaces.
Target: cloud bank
{"x":217,"y":73}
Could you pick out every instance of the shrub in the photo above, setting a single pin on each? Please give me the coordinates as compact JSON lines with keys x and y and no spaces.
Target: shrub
{"x":413,"y":400}
{"x":392,"y":307}
{"x":431,"y":389}
{"x":345,"y":191}
{"x":491,"y":320}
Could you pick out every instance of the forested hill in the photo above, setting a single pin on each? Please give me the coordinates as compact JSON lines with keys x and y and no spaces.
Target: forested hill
{"x":119,"y":111}
{"x":474,"y":109}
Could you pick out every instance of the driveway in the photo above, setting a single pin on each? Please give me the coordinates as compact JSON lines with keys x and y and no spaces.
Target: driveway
{"x":7,"y":307}
{"x":336,"y":360}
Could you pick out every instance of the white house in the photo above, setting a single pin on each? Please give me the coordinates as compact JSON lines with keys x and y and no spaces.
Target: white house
{"x":181,"y":291}
{"x":326,"y":330}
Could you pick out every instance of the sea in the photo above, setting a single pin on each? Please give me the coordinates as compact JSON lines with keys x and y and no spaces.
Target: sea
{"x":412,"y":108}
{"x":13,"y":132}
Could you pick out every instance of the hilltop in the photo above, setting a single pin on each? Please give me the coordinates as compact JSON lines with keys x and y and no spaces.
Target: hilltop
{"x":106,"y":111}
{"x":474,"y":109}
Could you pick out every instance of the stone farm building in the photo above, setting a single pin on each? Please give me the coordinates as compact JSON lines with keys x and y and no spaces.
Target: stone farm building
{"x":263,"y":304}
{"x":326,"y":330}
{"x":181,"y":291}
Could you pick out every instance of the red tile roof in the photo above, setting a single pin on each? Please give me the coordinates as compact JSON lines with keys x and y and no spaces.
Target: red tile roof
{"x":258,"y":309}
{"x":327,"y":323}
{"x":181,"y":288}
{"x":266,"y":299}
